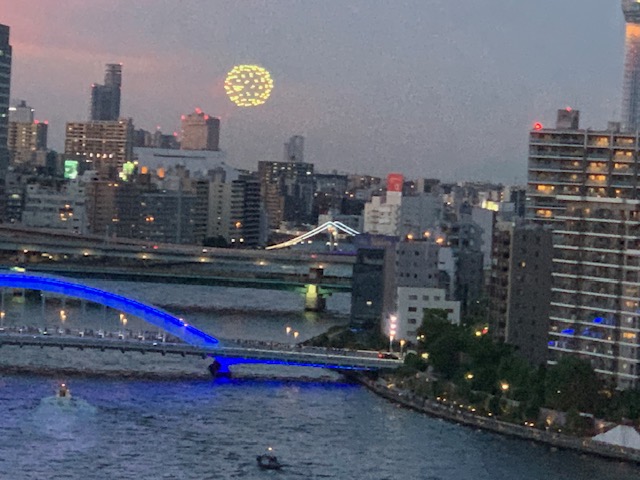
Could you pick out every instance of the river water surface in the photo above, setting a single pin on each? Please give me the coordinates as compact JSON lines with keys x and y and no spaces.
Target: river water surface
{"x":185,"y":427}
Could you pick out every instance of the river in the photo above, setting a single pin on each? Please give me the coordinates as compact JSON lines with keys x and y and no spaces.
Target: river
{"x":185,"y":426}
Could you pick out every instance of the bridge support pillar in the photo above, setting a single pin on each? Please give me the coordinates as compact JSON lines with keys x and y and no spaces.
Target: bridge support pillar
{"x":314,"y":301}
{"x":219,"y":368}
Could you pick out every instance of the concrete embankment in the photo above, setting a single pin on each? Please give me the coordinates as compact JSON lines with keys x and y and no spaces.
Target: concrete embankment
{"x":448,"y":412}
{"x":128,"y":374}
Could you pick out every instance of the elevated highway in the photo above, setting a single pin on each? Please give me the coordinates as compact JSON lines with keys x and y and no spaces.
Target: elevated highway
{"x":33,"y":242}
{"x":193,"y":275}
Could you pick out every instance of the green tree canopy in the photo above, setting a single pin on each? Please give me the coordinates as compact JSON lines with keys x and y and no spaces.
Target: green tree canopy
{"x":572,"y":383}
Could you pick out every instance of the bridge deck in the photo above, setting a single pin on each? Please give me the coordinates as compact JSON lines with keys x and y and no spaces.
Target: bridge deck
{"x":334,"y":359}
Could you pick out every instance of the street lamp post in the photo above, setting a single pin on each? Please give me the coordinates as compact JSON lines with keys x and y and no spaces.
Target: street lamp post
{"x":392,"y":331}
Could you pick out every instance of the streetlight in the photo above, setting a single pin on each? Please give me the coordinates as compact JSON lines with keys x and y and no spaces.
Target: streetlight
{"x":288,"y":330}
{"x":295,"y":334}
{"x":504,"y":386}
{"x":402,"y":344}
{"x":393,"y":319}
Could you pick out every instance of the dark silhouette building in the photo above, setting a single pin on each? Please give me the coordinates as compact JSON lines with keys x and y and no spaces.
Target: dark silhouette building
{"x":5,"y":84}
{"x":520,"y":288}
{"x":105,"y":99}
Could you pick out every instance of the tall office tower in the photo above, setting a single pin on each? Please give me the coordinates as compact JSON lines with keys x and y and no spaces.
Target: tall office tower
{"x":105,"y":99}
{"x":101,"y":146}
{"x":200,"y":132}
{"x":294,"y":149}
{"x":631,"y":82}
{"x":21,"y":113}
{"x":5,"y":84}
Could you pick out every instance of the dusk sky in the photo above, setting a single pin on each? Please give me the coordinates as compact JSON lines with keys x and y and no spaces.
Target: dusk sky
{"x":428,"y":88}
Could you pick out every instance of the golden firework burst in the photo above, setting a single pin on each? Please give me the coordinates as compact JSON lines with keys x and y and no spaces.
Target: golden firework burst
{"x":248,"y":85}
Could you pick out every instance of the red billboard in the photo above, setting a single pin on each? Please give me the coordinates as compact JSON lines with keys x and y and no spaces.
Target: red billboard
{"x":394,"y":182}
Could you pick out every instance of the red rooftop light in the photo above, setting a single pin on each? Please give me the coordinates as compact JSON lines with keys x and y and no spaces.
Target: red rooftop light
{"x":537,"y":126}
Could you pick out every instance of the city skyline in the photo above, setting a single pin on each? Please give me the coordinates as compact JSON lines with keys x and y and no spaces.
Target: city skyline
{"x":411,"y":87}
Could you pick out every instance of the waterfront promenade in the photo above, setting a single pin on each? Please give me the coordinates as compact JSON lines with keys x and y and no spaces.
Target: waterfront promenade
{"x":453,"y":413}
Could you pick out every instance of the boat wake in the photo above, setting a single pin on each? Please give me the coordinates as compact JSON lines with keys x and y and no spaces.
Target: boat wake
{"x":63,"y":418}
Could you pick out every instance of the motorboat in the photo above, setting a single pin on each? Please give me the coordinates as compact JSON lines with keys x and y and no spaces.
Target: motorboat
{"x":268,"y":461}
{"x":63,"y":391}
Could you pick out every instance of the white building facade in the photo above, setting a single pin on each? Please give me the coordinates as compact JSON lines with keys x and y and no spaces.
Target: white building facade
{"x":49,"y":208}
{"x":413,"y":301}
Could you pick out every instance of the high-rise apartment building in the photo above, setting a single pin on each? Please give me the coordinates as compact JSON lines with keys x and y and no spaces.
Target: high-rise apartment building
{"x":520,"y":288}
{"x":231,"y":209}
{"x":5,"y":85}
{"x":105,"y":99}
{"x":584,"y":183}
{"x":631,"y":83}
{"x":572,"y":161}
{"x":287,"y":191}
{"x":200,"y":132}
{"x":26,"y":142}
{"x":595,"y":311}
{"x":101,"y":146}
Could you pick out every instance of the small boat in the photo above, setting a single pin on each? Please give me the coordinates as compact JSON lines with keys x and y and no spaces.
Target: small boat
{"x":63,"y":391}
{"x":268,"y":461}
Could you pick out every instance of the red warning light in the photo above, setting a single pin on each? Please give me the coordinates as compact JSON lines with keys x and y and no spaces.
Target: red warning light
{"x":537,"y":126}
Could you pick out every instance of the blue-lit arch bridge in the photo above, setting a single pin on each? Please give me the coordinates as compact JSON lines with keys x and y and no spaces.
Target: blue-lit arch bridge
{"x":178,"y":336}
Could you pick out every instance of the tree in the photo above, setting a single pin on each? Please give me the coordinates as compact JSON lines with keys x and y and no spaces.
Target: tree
{"x":443,"y":341}
{"x":572,"y":383}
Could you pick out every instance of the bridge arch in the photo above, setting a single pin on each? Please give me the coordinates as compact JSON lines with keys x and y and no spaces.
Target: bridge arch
{"x":330,"y":226}
{"x":153,"y":315}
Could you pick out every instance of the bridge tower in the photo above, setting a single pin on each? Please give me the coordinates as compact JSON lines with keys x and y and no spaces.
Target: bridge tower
{"x":314,"y":300}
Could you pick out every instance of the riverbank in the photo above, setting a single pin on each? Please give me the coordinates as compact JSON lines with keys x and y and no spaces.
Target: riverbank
{"x":450,"y":413}
{"x":70,"y":373}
